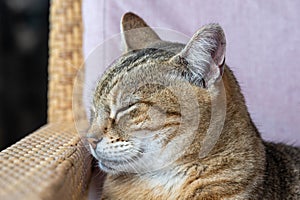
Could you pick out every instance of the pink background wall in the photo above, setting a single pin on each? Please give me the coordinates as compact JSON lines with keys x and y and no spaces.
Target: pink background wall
{"x":263,"y":48}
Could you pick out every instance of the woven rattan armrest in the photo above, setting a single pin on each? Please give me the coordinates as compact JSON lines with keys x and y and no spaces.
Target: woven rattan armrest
{"x":50,"y":163}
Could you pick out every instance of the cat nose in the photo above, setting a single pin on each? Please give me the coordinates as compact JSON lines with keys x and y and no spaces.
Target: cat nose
{"x":93,"y":142}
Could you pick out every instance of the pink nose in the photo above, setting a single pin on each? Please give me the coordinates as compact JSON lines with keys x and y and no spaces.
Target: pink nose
{"x":93,"y":142}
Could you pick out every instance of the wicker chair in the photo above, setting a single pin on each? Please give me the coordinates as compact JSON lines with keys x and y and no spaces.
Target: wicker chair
{"x":51,"y":163}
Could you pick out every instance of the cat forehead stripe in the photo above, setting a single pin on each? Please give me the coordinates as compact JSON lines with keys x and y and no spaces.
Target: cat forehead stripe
{"x":128,"y":62}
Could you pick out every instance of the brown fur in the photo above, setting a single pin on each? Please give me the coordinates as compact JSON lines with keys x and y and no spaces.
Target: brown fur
{"x":239,"y":166}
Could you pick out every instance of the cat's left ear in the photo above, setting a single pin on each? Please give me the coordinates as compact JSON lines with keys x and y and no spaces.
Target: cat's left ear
{"x":136,"y":33}
{"x":203,"y":58}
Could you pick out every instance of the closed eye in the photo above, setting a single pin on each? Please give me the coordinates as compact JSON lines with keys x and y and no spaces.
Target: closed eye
{"x":125,"y":108}
{"x":122,"y":111}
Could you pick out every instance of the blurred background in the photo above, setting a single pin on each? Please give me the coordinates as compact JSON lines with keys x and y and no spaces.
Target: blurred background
{"x":24,"y":27}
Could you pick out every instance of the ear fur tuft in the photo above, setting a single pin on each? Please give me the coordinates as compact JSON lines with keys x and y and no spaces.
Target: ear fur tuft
{"x":204,"y":55}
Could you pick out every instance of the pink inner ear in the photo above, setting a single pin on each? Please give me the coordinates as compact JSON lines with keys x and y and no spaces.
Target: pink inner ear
{"x":219,"y":55}
{"x":221,"y":67}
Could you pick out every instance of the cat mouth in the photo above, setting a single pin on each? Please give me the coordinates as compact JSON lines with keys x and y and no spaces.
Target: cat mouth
{"x":105,"y":167}
{"x":116,"y":165}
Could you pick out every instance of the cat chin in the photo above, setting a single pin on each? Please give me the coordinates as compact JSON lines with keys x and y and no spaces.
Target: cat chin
{"x":130,"y":168}
{"x":149,"y":162}
{"x":113,"y":167}
{"x":116,"y":171}
{"x":105,"y":168}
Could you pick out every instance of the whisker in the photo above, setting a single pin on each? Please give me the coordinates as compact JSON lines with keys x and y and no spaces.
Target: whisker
{"x":130,"y":161}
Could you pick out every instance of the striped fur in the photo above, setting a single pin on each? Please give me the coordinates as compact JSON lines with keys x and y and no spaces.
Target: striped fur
{"x":150,"y":115}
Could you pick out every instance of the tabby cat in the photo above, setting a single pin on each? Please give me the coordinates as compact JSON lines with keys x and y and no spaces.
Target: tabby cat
{"x":153,"y":125}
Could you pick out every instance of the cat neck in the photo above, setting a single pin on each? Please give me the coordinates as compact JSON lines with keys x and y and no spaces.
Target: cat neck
{"x":239,"y":134}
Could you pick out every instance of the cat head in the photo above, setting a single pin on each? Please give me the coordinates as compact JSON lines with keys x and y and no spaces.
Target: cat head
{"x":154,"y":101}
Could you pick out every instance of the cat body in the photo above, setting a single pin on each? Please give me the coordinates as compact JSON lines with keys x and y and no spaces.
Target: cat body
{"x":151,"y":115}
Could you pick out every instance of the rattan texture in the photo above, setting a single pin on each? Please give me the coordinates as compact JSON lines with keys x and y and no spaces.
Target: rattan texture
{"x":65,"y":57}
{"x":51,"y":163}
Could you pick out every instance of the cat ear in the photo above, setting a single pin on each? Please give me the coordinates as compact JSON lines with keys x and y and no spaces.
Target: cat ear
{"x":136,"y":33}
{"x":204,"y":55}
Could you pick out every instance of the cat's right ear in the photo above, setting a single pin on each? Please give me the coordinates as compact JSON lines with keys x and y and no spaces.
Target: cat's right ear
{"x":203,"y":58}
{"x":136,"y":34}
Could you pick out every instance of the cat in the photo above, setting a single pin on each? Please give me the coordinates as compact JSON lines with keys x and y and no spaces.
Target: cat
{"x":150,"y":117}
